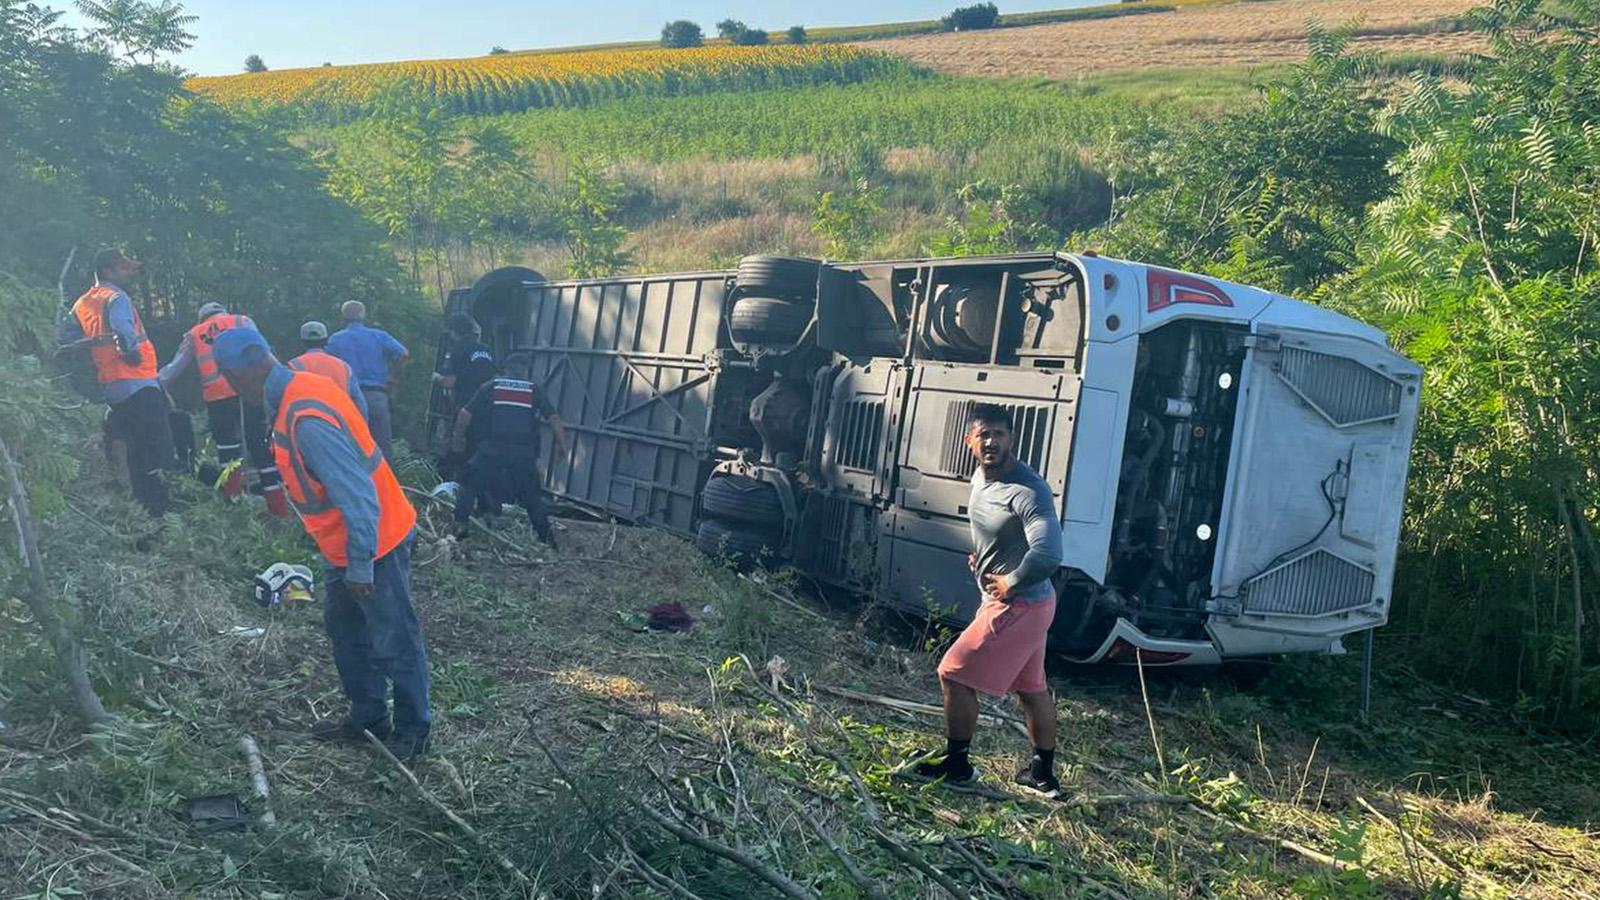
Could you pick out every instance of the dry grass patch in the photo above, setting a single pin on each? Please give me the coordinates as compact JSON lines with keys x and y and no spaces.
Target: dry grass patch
{"x":1235,"y":34}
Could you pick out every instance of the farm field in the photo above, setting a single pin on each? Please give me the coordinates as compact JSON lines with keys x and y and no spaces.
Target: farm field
{"x":1257,"y":33}
{"x":517,"y":81}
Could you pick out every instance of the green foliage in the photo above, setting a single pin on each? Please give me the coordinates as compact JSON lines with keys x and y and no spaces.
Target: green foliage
{"x":796,"y":34}
{"x":681,"y":33}
{"x":1460,"y":217}
{"x":847,"y":221}
{"x":254,"y":63}
{"x":138,"y":29}
{"x":449,"y":197}
{"x":736,"y":32}
{"x":971,"y":18}
{"x":1341,"y":884}
{"x":1287,"y":180}
{"x":587,"y":208}
{"x":994,"y":219}
{"x":95,"y":152}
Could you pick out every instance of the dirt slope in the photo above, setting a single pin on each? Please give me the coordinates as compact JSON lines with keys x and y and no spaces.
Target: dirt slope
{"x":1229,"y":35}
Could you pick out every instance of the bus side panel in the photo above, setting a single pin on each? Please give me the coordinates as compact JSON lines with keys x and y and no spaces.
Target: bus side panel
{"x":628,"y":365}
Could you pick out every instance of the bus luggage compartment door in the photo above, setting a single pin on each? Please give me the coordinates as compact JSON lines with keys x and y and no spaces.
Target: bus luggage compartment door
{"x":930,"y":536}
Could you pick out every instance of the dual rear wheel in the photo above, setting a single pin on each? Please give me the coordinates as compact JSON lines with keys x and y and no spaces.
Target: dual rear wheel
{"x":741,"y":521}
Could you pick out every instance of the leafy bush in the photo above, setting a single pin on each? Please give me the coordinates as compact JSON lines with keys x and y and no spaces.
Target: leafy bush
{"x":972,"y":18}
{"x":254,"y":63}
{"x":847,"y":221}
{"x":796,"y":34}
{"x":681,"y":33}
{"x":994,"y":219}
{"x":1461,"y":219}
{"x":739,"y":34}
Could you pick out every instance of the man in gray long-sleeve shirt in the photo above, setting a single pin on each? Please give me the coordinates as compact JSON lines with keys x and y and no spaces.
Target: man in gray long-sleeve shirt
{"x":1016,"y":539}
{"x":354,"y":508}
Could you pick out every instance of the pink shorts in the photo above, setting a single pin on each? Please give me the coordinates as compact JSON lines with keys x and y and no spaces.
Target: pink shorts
{"x":1002,"y":651}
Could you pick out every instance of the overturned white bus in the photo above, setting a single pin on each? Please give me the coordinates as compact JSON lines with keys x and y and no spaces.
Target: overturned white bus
{"x":1230,"y":464}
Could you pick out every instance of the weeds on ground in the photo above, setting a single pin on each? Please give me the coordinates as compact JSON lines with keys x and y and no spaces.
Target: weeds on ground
{"x":728,"y":730}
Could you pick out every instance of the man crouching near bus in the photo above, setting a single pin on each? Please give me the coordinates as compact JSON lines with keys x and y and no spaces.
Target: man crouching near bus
{"x":1016,"y":541}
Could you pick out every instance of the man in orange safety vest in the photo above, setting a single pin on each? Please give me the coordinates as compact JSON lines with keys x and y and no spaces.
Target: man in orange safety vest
{"x":105,"y":321}
{"x":236,"y":428}
{"x":353,"y":507}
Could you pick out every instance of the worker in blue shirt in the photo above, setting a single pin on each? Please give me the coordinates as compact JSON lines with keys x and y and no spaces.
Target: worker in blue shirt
{"x":105,"y":322}
{"x":376,"y":358}
{"x":354,"y":508}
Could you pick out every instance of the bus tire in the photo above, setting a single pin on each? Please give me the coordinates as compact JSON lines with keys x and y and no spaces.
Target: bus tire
{"x":768,"y":320}
{"x":785,"y":277}
{"x":740,"y":498}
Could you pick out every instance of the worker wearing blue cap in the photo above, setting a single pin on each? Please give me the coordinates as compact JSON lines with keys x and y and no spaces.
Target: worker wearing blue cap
{"x":352,"y":505}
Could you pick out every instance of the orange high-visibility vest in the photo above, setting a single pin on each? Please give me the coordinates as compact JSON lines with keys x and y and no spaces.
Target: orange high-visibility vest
{"x":312,"y":396}
{"x":325,"y":364}
{"x":109,"y":366}
{"x":213,"y":386}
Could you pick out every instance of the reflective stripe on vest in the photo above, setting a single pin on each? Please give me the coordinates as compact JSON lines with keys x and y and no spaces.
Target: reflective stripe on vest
{"x":308,"y":395}
{"x":321,"y":362}
{"x":109,"y":366}
{"x":213,"y":386}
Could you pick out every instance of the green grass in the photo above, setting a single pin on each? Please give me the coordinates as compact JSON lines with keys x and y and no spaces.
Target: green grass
{"x":524,"y":647}
{"x":935,"y":111}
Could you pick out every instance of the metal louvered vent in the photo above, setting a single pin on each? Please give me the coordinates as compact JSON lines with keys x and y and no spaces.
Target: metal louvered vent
{"x":826,"y":552}
{"x":1319,"y":583}
{"x":1344,"y":391}
{"x":860,"y":434}
{"x":1032,"y":431}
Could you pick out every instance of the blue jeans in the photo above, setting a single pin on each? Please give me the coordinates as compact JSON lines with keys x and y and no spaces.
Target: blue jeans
{"x":378,"y":642}
{"x":378,"y":418}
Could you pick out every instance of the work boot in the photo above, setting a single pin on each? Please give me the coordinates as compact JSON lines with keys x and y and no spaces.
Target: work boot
{"x":408,"y":748}
{"x":952,"y":770}
{"x":548,"y":535}
{"x":348,"y":733}
{"x":277,"y":501}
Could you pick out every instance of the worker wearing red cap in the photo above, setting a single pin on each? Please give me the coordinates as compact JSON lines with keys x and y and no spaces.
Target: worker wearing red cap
{"x":105,"y":321}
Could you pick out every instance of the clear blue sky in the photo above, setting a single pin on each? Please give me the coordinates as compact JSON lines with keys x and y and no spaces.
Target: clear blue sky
{"x":294,"y":33}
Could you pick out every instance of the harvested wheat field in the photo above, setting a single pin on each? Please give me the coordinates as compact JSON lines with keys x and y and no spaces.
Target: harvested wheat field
{"x":1235,"y":34}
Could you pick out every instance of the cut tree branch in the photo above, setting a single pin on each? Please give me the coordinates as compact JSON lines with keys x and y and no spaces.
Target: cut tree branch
{"x":69,"y":652}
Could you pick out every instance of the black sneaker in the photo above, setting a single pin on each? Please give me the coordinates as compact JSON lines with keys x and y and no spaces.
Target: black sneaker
{"x":1047,"y":785}
{"x":549,"y":537}
{"x":957,"y":774}
{"x":407,"y":748}
{"x":344,"y":731}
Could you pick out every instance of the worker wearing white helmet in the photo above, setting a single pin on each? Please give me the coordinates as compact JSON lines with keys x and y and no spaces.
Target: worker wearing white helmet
{"x":315,"y":358}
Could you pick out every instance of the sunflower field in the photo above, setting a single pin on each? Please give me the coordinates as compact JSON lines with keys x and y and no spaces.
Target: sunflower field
{"x":522,"y":81}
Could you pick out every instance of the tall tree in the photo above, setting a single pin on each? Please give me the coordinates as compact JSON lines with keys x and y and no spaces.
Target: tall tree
{"x":139,"y":28}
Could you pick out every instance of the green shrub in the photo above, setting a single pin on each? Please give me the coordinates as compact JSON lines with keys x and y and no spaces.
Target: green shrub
{"x":972,"y":18}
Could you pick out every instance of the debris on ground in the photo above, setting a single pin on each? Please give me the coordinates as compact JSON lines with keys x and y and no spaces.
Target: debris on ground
{"x":668,"y":617}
